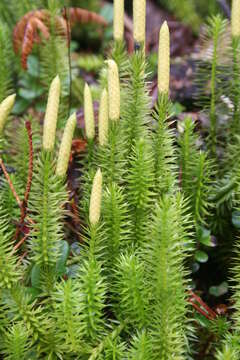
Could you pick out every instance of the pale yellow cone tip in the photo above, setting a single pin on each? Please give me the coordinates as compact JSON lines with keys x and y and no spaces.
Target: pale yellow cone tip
{"x":235,"y":22}
{"x":56,"y":81}
{"x":103,"y":119}
{"x":113,"y":90}
{"x":51,"y":115}
{"x":5,"y":109}
{"x":164,"y":59}
{"x":96,"y":198}
{"x":88,"y":113}
{"x":118,"y":20}
{"x":66,"y":145}
{"x":164,"y":27}
{"x":139,"y":20}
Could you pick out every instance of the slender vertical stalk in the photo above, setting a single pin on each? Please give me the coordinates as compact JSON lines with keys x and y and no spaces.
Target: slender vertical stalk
{"x":213,"y":120}
{"x":66,"y":15}
{"x":236,"y":82}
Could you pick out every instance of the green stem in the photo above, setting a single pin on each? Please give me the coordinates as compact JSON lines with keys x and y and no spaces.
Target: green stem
{"x":92,"y":243}
{"x":236,"y":83}
{"x":197,"y":215}
{"x":44,"y":231}
{"x":162,"y":113}
{"x":213,"y":120}
{"x":112,"y":163}
{"x":163,"y":148}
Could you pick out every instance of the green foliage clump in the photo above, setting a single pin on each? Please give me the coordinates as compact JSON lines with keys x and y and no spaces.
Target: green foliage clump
{"x":116,"y":233}
{"x":131,"y":293}
{"x":47,"y":231}
{"x":164,"y":149}
{"x":165,"y":257}
{"x":192,"y":12}
{"x":15,"y":343}
{"x":6,"y":61}
{"x":10,"y":273}
{"x":160,"y":196}
{"x":210,"y":81}
{"x":196,"y":173}
{"x":139,"y":187}
{"x":185,"y":11}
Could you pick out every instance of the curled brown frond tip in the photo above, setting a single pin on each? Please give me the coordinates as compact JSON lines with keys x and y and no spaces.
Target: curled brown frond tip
{"x":33,"y":27}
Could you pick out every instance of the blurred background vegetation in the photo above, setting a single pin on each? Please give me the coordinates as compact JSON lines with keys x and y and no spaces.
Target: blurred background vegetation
{"x":88,"y":46}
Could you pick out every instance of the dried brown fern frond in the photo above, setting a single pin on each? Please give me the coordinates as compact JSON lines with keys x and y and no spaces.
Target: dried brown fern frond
{"x":36,"y":23}
{"x":84,"y":16}
{"x":30,"y":36}
{"x":20,"y":28}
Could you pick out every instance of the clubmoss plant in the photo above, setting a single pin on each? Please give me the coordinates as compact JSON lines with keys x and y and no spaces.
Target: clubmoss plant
{"x":109,"y":158}
{"x":88,"y":162}
{"x":209,"y":73}
{"x":168,"y":304}
{"x":163,"y":138}
{"x":67,"y":308}
{"x":91,"y":276}
{"x":116,"y":233}
{"x":135,"y":109}
{"x":124,"y":290}
{"x":47,"y":231}
{"x":140,"y":179}
{"x":15,"y":343}
{"x":196,"y":172}
{"x":132,"y":296}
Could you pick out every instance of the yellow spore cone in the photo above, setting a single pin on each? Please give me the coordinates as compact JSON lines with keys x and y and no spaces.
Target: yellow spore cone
{"x":5,"y":109}
{"x":113,"y":90}
{"x":65,"y":147}
{"x":139,"y":20}
{"x":89,"y":113}
{"x":118,"y":20}
{"x":96,"y":199}
{"x":51,"y":116}
{"x":164,"y":59}
{"x":235,"y":22}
